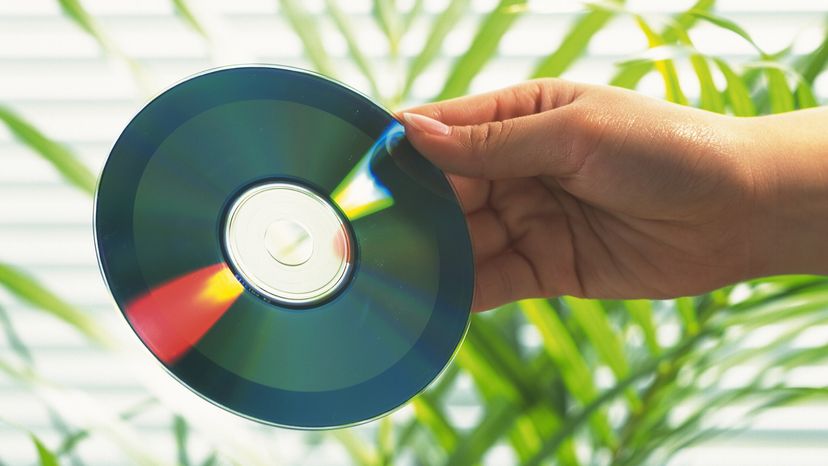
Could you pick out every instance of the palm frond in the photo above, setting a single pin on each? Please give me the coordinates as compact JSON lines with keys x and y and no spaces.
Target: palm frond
{"x":182,"y":8}
{"x":64,"y":161}
{"x":76,"y":12}
{"x":44,"y":455}
{"x":31,"y":291}
{"x":483,"y":47}
{"x":575,"y":42}
{"x":441,"y":27}
{"x":354,"y":49}
{"x":304,"y":25}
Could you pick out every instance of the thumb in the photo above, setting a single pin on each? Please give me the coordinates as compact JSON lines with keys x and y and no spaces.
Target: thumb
{"x":529,"y":145}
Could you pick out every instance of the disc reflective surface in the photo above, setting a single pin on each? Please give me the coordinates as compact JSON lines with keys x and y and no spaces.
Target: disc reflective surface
{"x":279,"y":246}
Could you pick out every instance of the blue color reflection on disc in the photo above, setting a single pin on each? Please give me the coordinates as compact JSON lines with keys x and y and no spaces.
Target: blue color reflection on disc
{"x":391,"y":326}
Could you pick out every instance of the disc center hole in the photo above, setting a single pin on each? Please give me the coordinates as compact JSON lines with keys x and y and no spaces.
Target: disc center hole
{"x":288,"y":242}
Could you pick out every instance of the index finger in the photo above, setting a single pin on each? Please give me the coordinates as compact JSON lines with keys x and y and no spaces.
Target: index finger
{"x":472,"y":192}
{"x":523,"y":99}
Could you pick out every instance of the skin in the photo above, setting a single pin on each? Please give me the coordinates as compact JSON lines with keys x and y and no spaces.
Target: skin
{"x":600,"y":192}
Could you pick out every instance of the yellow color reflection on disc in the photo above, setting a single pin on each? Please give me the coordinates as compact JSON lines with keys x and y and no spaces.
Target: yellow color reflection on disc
{"x":360,"y":193}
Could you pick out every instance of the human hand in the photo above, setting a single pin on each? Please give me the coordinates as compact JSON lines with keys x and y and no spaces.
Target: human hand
{"x":600,"y":192}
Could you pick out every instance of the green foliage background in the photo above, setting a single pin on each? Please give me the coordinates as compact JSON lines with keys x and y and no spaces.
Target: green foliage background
{"x":603,"y":387}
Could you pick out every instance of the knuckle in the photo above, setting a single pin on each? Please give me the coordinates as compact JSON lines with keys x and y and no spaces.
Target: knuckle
{"x":487,"y":140}
{"x":545,"y":83}
{"x":555,"y":92}
{"x":481,"y":137}
{"x":581,"y":136}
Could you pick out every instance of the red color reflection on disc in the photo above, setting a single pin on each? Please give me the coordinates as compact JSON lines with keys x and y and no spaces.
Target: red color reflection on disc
{"x":173,"y":317}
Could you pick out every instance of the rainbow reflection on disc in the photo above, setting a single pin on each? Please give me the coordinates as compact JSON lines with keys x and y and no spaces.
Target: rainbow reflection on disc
{"x":278,"y":245}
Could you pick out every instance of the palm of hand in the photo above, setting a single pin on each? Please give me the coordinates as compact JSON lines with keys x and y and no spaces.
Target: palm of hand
{"x":533,"y":237}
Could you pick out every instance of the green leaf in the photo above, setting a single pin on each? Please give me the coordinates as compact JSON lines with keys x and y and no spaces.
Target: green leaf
{"x":574,"y":43}
{"x":672,"y":86}
{"x":502,"y":355}
{"x":412,"y":15}
{"x":771,"y":288}
{"x":435,"y":391}
{"x":182,"y":9}
{"x":60,"y":425}
{"x":575,"y":372}
{"x":709,"y":96}
{"x":592,"y":319}
{"x":805,"y":97}
{"x":77,"y":13}
{"x":426,"y":451}
{"x":486,"y":376}
{"x":690,"y":431}
{"x":779,"y":353}
{"x":181,"y":432}
{"x":58,"y":155}
{"x":44,"y":455}
{"x":500,"y":358}
{"x":483,"y":47}
{"x":594,"y":407}
{"x":304,"y":26}
{"x":354,"y":49}
{"x":780,"y":95}
{"x":726,"y":24}
{"x":687,"y":312}
{"x":72,"y":440}
{"x":12,"y":371}
{"x":385,"y":441}
{"x":685,"y":20}
{"x":738,"y":95}
{"x":630,"y":74}
{"x":361,"y":453}
{"x":499,"y":415}
{"x":29,"y":290}
{"x":813,"y":63}
{"x":533,"y":427}
{"x":641,"y":311}
{"x":773,"y":311}
{"x":660,"y":53}
{"x":441,"y":27}
{"x":524,"y":437}
{"x":500,"y":374}
{"x":753,"y":75}
{"x":429,"y":414}
{"x":13,"y":338}
{"x":663,"y":435}
{"x":801,"y":357}
{"x":390,"y":22}
{"x":211,"y":460}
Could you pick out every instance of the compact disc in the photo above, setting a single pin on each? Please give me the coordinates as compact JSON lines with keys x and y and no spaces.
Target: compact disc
{"x":278,"y":245}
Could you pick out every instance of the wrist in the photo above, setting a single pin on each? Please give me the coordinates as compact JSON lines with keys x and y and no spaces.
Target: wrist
{"x":787,"y":157}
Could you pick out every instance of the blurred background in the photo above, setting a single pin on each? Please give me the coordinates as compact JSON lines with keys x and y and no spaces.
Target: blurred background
{"x":738,"y":376}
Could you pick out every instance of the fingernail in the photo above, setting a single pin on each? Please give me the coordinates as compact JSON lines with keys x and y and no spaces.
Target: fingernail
{"x":426,"y":124}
